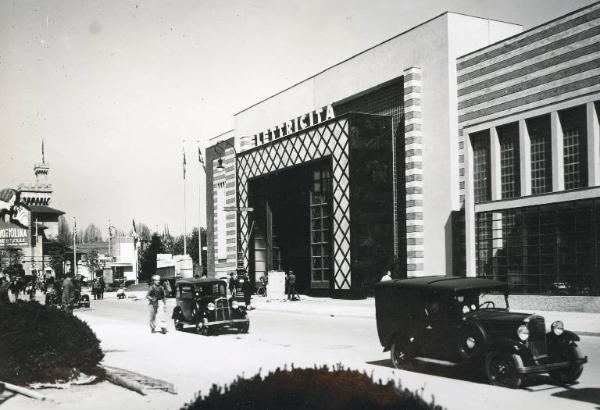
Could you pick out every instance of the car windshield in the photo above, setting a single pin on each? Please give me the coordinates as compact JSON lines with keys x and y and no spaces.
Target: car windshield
{"x":216,"y":289}
{"x":471,"y":302}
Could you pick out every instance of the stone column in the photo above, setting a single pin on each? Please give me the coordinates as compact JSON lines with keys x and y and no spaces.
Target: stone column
{"x":558,"y":164}
{"x":593,"y":144}
{"x":525,"y":158}
{"x":495,"y":177}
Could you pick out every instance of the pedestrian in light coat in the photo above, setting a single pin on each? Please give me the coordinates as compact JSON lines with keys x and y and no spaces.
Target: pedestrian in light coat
{"x":157,"y":305}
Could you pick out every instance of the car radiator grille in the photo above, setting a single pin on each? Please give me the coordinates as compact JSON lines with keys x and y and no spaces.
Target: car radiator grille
{"x":222,"y":311}
{"x":537,"y":336}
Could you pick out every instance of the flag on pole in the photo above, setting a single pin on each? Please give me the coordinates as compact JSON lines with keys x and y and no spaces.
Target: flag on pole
{"x":200,"y":158}
{"x":183,"y":149}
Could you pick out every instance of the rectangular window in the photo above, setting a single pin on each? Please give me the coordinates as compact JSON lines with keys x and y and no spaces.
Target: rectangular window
{"x":541,"y":154}
{"x":574,"y":126}
{"x":221,"y":222}
{"x":508,"y":136}
{"x":481,"y":166}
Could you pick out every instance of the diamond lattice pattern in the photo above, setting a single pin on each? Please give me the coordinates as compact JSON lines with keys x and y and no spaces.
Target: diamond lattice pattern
{"x":330,"y":139}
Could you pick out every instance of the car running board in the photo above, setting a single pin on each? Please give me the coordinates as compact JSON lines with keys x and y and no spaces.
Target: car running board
{"x":436,"y":361}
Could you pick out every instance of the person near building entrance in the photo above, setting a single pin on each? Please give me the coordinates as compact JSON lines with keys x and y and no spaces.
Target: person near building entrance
{"x":68,"y":293}
{"x":387,"y":276}
{"x":232,"y":283}
{"x":291,"y":279}
{"x":157,"y":305}
{"x":247,"y":291}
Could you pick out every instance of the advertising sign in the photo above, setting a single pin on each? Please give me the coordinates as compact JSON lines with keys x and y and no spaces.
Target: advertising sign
{"x":13,"y":236}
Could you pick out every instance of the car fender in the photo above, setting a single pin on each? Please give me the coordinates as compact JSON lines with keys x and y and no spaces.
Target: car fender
{"x":176,"y":312}
{"x":505,"y":344}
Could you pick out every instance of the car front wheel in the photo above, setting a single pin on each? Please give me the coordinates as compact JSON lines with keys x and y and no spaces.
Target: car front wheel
{"x":402,"y":354}
{"x":570,"y":374}
{"x":501,"y":369}
{"x":244,"y":328}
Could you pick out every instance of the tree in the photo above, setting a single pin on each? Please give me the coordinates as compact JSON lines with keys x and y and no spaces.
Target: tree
{"x":148,"y":257}
{"x":65,"y":235}
{"x":143,"y":231}
{"x":58,"y":255}
{"x":92,"y":234}
{"x":92,"y":260}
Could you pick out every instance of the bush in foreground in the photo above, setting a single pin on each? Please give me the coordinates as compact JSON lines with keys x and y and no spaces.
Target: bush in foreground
{"x":304,"y":389}
{"x":42,"y":344}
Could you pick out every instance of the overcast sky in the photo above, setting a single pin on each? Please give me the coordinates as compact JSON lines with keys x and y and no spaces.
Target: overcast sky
{"x":114,"y":86}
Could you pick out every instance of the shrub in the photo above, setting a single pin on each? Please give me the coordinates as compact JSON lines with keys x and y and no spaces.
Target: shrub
{"x":316,"y":388}
{"x":42,"y":344}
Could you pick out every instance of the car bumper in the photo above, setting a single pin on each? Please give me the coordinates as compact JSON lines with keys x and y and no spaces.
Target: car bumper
{"x":225,"y":322}
{"x":548,"y":367}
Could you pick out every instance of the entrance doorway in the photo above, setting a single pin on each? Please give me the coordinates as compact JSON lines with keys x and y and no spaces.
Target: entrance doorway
{"x":291,"y":224}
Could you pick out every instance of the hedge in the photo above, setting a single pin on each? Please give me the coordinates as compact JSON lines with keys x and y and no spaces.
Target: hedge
{"x":304,"y":389}
{"x":43,"y":344}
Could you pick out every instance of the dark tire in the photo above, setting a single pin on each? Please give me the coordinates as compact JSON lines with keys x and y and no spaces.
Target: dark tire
{"x":402,"y":354}
{"x":244,"y":328}
{"x":177,"y":323}
{"x":570,"y":374}
{"x":501,"y":369}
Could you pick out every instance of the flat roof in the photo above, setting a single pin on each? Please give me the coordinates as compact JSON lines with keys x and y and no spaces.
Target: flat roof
{"x":445,"y":283}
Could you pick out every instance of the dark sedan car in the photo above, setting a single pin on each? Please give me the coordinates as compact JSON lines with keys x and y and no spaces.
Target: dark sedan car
{"x":203,"y":303}
{"x":467,"y":321}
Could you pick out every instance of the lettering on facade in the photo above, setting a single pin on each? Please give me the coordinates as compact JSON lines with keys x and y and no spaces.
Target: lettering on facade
{"x":294,"y":125}
{"x":11,"y":235}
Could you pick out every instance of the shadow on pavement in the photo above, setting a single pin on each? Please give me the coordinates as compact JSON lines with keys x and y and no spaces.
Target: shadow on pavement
{"x":532,"y":383}
{"x":586,"y":394}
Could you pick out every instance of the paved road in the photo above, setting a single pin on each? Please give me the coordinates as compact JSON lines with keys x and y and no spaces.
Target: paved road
{"x":278,"y":339}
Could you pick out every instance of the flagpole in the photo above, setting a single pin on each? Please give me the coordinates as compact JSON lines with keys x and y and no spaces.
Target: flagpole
{"x":74,"y":247}
{"x":201,"y":161}
{"x":184,"y":216}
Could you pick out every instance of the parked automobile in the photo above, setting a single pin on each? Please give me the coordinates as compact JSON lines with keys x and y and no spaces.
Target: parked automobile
{"x":467,"y":321}
{"x":203,"y":303}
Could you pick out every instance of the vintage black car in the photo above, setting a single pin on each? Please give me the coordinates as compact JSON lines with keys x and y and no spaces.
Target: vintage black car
{"x":203,"y":303}
{"x":467,"y":321}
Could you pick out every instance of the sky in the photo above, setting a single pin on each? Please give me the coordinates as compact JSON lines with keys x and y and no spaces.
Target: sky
{"x":118,"y":88}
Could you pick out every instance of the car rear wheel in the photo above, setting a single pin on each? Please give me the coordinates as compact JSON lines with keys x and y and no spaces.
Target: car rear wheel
{"x":570,"y":374}
{"x":501,"y":369}
{"x":402,"y":354}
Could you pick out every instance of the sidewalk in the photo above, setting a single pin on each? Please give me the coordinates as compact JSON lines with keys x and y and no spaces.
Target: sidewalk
{"x":582,"y":323}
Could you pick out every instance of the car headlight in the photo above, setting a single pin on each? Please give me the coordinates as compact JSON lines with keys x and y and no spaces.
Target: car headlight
{"x":234,"y":304}
{"x":558,"y":328}
{"x":470,"y":342}
{"x":210,"y":306}
{"x":523,"y":332}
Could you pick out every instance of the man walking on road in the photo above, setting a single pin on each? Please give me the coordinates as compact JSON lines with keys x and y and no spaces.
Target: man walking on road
{"x":156,"y":296}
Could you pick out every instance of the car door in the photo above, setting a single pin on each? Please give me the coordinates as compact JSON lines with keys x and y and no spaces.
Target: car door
{"x":185,"y":300}
{"x":440,"y":328}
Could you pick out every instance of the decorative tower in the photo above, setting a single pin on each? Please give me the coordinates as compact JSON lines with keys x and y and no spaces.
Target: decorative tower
{"x":40,"y":192}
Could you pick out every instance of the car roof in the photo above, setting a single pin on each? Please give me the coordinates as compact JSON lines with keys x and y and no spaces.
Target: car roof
{"x":201,"y":281}
{"x":444,"y":283}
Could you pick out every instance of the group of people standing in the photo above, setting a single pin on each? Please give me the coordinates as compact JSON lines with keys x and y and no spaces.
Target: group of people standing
{"x":240,"y":286}
{"x":11,"y":288}
{"x":98,"y":286}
